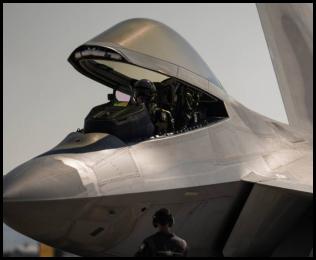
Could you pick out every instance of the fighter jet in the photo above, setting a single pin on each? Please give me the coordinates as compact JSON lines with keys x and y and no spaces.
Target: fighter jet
{"x":238,"y":183}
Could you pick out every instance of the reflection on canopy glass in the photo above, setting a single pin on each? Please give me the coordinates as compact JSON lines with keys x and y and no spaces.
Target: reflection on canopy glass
{"x":133,"y":71}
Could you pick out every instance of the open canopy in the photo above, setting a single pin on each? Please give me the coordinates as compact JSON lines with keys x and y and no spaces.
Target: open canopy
{"x":138,"y":47}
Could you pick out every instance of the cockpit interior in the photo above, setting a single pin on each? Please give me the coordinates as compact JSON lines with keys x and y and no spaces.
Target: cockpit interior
{"x":146,"y":104}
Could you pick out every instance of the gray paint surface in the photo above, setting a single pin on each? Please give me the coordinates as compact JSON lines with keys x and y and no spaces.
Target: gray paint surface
{"x":289,"y":34}
{"x":46,"y":98}
{"x":211,"y":168}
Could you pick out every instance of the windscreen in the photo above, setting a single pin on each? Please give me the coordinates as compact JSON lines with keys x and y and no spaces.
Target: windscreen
{"x":122,"y":97}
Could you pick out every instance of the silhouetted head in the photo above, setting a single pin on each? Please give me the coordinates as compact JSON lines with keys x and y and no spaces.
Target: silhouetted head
{"x":144,"y":90}
{"x":163,"y":217}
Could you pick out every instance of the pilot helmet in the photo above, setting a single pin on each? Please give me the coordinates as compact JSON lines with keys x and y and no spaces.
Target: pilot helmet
{"x":163,"y":217}
{"x":144,"y":88}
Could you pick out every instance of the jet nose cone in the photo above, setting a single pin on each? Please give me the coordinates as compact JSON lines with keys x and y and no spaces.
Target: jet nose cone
{"x":41,"y":178}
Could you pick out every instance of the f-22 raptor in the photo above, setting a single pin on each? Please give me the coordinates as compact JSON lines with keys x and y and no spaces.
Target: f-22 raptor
{"x":237,"y":182}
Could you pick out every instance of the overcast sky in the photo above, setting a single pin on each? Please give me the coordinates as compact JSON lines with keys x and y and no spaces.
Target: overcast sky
{"x":45,"y":98}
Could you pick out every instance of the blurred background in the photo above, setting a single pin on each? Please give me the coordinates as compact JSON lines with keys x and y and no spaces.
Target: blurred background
{"x":17,"y":245}
{"x":45,"y":98}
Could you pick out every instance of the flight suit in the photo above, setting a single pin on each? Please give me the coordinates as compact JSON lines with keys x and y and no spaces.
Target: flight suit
{"x":162,"y":245}
{"x":161,"y":118}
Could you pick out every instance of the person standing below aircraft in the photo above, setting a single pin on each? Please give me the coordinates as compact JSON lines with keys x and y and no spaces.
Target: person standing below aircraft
{"x":164,"y":243}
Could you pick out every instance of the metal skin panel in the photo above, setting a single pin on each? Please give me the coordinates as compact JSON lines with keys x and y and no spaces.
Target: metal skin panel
{"x":267,"y":222}
{"x":124,"y":220}
{"x":186,"y":161}
{"x":94,"y":195}
{"x":288,"y":31}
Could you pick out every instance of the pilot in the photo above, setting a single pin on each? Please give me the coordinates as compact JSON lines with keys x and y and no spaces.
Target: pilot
{"x":146,"y":92}
{"x":164,"y":243}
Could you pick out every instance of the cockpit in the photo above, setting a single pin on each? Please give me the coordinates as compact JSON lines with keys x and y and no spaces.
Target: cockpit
{"x":144,"y":103}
